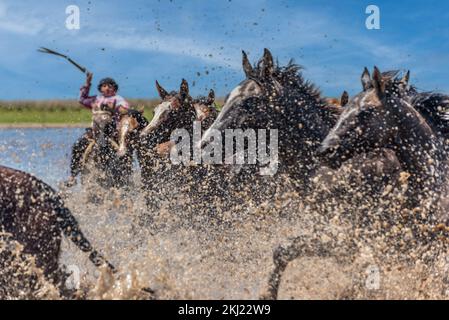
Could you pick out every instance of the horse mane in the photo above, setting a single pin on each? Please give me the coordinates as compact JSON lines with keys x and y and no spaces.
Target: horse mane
{"x":143,"y":122}
{"x":434,"y":107}
{"x":306,"y":101}
{"x":297,"y":89}
{"x":202,"y":99}
{"x":391,"y":74}
{"x":291,"y":75}
{"x":298,"y":109}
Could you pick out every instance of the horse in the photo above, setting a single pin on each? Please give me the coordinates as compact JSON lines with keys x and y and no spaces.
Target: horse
{"x":130,"y":126}
{"x":278,"y":98}
{"x":206,"y":113}
{"x":434,"y":107}
{"x":35,"y":216}
{"x":163,"y":180}
{"x":381,"y":116}
{"x":274,"y":97}
{"x":98,"y":152}
{"x":174,"y":112}
{"x":424,"y":111}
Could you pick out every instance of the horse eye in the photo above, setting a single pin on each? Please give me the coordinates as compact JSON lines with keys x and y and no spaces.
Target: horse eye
{"x":364,"y":115}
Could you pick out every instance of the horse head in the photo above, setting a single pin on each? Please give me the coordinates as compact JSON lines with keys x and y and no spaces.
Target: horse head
{"x":372,"y":119}
{"x":175,"y":111}
{"x":247,"y":101}
{"x":130,"y":125}
{"x":204,"y":106}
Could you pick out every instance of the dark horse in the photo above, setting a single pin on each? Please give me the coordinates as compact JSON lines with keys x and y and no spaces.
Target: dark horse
{"x":174,"y":112}
{"x":162,"y":179}
{"x":273,"y":97}
{"x":205,"y":109}
{"x":32,"y":214}
{"x":151,"y":140}
{"x":381,"y":116}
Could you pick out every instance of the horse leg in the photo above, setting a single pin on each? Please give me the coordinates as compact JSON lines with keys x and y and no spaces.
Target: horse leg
{"x":114,"y":144}
{"x":78,"y":150}
{"x":301,"y":246}
{"x":87,"y":152}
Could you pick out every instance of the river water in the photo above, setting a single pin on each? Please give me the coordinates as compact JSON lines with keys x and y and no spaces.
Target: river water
{"x":44,"y":153}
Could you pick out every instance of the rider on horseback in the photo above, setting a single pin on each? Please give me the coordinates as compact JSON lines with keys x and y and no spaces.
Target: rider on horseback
{"x":108,"y":98}
{"x":108,"y":101}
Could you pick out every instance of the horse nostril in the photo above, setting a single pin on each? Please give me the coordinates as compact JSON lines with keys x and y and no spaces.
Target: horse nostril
{"x":321,"y":149}
{"x":329,"y":145}
{"x":324,"y":150}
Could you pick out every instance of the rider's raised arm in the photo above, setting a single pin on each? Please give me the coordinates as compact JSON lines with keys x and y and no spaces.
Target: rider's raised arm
{"x":84,"y":97}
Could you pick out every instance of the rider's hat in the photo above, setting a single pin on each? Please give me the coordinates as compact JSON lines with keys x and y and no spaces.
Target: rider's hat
{"x":109,"y":81}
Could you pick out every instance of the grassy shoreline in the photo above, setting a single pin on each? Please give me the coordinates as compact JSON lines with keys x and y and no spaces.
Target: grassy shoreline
{"x":56,"y":113}
{"x":35,"y":113}
{"x":31,"y":125}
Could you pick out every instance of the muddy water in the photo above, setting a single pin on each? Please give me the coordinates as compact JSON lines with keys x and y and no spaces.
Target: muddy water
{"x":184,"y":253}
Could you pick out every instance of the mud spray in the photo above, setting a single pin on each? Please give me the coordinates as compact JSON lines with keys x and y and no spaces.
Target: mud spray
{"x":188,"y":247}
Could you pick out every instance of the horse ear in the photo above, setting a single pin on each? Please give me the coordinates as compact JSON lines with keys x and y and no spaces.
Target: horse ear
{"x":378,"y":83}
{"x":366,"y":79}
{"x":344,"y":99}
{"x":162,"y":92}
{"x":247,"y":68}
{"x":184,"y":89}
{"x":267,"y":63}
{"x":211,"y":97}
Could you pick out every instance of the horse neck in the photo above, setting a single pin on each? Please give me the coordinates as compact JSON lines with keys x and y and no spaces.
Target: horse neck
{"x":186,"y":120}
{"x":418,"y":149}
{"x":144,"y":151}
{"x":306,"y":122}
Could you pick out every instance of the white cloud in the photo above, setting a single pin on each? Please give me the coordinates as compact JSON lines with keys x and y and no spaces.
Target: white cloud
{"x":11,"y":22}
{"x":208,"y":52}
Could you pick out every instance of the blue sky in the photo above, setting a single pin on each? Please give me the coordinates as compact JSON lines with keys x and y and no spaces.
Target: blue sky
{"x":137,"y":42}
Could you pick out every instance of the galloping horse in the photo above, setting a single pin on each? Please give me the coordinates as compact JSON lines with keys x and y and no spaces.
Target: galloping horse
{"x":32,"y":214}
{"x":378,"y":117}
{"x":174,"y":112}
{"x":273,"y":97}
{"x":101,"y":154}
{"x":368,"y":123}
{"x":151,"y":140}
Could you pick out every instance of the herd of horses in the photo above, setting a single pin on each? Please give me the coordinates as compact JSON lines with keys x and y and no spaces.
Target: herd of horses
{"x":394,"y":126}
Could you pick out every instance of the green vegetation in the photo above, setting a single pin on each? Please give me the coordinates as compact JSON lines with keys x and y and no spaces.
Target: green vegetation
{"x":39,"y":116}
{"x":58,"y":111}
{"x":54,"y":111}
